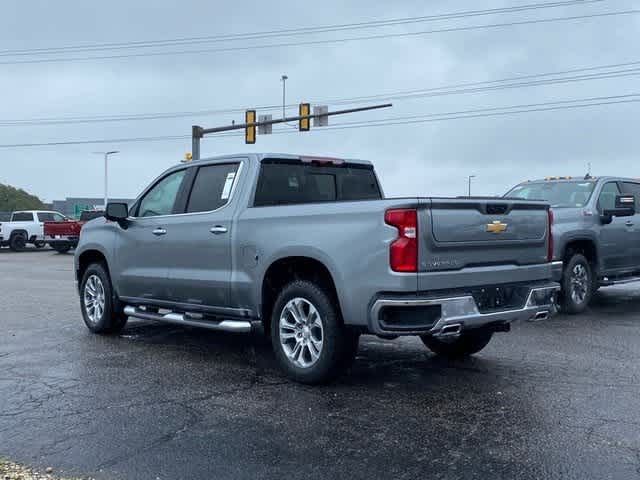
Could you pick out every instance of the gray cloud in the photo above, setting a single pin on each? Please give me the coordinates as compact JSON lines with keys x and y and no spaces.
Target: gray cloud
{"x":426,"y":159}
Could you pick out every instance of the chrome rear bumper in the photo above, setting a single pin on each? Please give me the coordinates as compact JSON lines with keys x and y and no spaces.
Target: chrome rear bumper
{"x":458,"y":313}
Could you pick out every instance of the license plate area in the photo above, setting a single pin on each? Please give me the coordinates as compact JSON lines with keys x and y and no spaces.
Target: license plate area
{"x":501,"y":297}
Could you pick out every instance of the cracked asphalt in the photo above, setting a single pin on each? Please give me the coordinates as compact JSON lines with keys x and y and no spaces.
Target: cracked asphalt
{"x":554,"y":399}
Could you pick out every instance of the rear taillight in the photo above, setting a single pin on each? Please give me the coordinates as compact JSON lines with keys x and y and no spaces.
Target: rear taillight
{"x":550,"y":237}
{"x":403,"y":252}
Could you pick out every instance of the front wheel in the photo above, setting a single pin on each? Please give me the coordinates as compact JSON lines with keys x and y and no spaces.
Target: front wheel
{"x":466,"y":344}
{"x":39,"y":244}
{"x":100,"y":310}
{"x":309,"y":339}
{"x":577,"y":285}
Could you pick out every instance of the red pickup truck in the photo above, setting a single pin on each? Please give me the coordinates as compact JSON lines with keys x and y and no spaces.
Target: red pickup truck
{"x":63,"y":236}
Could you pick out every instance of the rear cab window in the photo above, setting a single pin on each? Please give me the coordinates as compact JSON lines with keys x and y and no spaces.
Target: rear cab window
{"x":288,"y":182}
{"x":22,"y":217}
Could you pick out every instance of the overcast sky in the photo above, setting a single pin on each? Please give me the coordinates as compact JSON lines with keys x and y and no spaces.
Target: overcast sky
{"x":415,"y":159}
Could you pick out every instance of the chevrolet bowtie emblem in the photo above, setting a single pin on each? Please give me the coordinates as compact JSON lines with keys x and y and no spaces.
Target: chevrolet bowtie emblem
{"x":496,"y":227}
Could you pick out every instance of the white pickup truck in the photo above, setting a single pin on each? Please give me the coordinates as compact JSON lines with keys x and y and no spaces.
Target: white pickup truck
{"x":25,"y":227}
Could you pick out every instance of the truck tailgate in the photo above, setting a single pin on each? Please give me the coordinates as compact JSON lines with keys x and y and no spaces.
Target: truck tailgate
{"x":69,"y":229}
{"x":461,"y":233}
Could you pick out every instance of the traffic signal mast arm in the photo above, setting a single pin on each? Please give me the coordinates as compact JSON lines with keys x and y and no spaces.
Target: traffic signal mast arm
{"x":198,"y":132}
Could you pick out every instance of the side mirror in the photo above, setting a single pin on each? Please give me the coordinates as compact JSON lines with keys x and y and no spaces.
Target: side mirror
{"x":625,"y":207}
{"x":117,"y":212}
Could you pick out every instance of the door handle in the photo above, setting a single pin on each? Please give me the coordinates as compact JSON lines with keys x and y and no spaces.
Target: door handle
{"x":218,"y":229}
{"x":629,"y":223}
{"x":159,"y":231}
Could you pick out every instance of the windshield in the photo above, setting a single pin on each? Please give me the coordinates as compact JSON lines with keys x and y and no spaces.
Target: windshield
{"x":558,"y":194}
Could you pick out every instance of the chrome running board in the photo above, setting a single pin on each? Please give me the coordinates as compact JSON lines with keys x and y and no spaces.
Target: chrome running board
{"x":241,"y":326}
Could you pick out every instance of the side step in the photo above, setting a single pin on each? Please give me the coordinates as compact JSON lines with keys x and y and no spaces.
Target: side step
{"x":607,"y":282}
{"x":241,"y":326}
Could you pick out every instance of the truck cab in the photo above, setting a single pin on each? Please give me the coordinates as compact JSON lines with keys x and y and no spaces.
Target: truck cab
{"x":26,"y":227}
{"x":596,"y":232}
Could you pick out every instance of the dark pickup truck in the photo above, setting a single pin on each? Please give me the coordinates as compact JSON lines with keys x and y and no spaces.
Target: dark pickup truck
{"x":63,"y":236}
{"x":596,"y":232}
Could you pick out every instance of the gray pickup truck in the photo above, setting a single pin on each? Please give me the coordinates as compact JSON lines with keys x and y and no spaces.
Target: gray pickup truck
{"x":308,"y":249}
{"x":596,"y":232}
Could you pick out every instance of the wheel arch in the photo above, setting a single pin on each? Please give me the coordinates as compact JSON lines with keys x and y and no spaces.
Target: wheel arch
{"x":293,"y":267}
{"x":19,"y":231}
{"x":585,"y":246}
{"x":86,"y":258}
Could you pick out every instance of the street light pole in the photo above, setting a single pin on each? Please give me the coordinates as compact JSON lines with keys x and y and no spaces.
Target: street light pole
{"x":469,"y":178}
{"x":284,"y":79}
{"x":106,"y":173}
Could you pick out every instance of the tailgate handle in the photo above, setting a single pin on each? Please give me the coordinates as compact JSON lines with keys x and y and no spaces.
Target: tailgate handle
{"x":497,"y":209}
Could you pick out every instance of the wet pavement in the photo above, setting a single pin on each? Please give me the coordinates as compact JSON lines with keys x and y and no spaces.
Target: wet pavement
{"x":554,"y":399}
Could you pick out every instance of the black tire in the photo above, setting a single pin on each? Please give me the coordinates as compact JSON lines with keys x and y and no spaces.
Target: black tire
{"x":339,"y":344}
{"x":61,"y":247}
{"x":18,"y":242}
{"x":39,"y":244}
{"x":466,"y":344}
{"x":112,"y":319}
{"x":578,"y":285}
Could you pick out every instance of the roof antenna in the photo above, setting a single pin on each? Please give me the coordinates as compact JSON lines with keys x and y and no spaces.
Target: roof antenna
{"x":588,"y":175}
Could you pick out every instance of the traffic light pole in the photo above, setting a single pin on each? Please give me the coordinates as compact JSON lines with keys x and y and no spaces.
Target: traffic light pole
{"x":197,"y":132}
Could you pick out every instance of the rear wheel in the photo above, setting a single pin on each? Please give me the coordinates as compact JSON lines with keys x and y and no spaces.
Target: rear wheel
{"x":466,"y":344}
{"x":577,"y":284}
{"x":101,"y":311}
{"x":39,"y":244}
{"x":18,"y":242}
{"x":309,"y":339}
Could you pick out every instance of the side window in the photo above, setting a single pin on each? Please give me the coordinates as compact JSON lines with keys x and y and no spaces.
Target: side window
{"x":607,"y":198}
{"x":45,"y":217}
{"x":162,"y":197}
{"x":212,"y":187}
{"x":50,"y":217}
{"x":22,"y":217}
{"x":633,"y":189}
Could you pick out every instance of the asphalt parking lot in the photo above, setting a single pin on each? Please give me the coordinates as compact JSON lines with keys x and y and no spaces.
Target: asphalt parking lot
{"x":555,"y":399}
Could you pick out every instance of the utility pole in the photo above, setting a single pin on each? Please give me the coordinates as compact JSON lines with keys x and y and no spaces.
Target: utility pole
{"x":469,"y":179}
{"x":198,"y":132}
{"x":106,"y":173}
{"x":284,"y":79}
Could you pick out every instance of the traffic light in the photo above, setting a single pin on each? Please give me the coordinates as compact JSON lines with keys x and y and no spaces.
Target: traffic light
{"x":250,"y":131}
{"x":304,"y":110}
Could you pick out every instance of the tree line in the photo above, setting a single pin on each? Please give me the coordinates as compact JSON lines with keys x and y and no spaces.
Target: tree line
{"x":12,"y":199}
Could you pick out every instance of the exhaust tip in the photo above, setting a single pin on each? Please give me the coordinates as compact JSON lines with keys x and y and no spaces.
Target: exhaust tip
{"x":454,"y":329}
{"x":540,"y":316}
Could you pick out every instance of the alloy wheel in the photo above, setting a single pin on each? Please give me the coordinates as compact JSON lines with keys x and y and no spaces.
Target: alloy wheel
{"x":94,"y":299}
{"x":301,"y":332}
{"x":579,"y":283}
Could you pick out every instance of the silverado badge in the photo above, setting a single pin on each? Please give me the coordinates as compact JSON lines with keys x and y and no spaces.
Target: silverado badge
{"x":496,"y":227}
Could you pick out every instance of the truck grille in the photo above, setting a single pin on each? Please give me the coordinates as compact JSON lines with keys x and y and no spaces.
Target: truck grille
{"x":502,"y":297}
